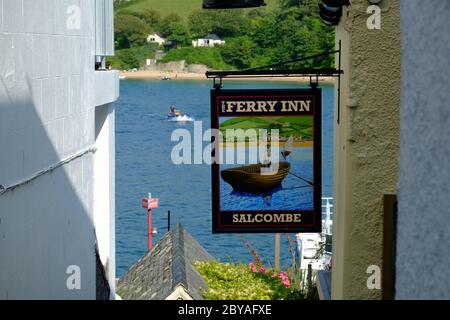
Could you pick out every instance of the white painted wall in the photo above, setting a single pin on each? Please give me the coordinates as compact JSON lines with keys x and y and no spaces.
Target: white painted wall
{"x":104,"y":188}
{"x":48,"y":94}
{"x":155,"y":38}
{"x":207,"y":43}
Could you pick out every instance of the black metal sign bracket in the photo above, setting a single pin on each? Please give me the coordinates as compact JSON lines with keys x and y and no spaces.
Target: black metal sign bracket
{"x":280,"y":70}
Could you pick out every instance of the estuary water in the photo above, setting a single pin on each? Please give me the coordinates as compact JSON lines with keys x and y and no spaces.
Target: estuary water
{"x":143,"y":165}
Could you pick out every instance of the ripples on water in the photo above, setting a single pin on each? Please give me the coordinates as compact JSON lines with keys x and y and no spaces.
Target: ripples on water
{"x":143,"y":164}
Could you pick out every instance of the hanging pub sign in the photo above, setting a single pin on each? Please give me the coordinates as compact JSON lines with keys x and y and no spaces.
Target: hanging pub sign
{"x":266,"y":175}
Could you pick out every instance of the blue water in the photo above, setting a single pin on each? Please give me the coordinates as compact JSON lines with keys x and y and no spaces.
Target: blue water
{"x":143,"y":164}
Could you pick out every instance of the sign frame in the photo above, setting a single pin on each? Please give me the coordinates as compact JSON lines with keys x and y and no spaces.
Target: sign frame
{"x":313,"y":217}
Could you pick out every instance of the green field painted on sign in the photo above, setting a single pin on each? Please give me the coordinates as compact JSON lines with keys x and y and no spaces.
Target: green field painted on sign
{"x":300,"y":127}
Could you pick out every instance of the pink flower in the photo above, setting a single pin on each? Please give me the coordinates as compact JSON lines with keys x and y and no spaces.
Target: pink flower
{"x":285,"y":279}
{"x":262,"y":270}
{"x":252,"y":266}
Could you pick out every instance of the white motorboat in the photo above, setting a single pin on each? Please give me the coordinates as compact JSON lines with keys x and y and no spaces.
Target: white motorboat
{"x":179,"y":116}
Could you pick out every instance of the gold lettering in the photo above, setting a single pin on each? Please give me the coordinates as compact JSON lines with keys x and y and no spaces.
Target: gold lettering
{"x":240,"y":106}
{"x":230,"y":105}
{"x":223,"y":106}
{"x":251,"y":106}
{"x":305,"y":105}
{"x":278,"y":218}
{"x":262,"y":106}
{"x":272,"y":105}
{"x":267,"y":218}
{"x":296,"y":106}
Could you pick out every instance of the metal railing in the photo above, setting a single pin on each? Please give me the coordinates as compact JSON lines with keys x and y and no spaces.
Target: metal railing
{"x":104,"y":31}
{"x":327,"y":215}
{"x":316,"y":248}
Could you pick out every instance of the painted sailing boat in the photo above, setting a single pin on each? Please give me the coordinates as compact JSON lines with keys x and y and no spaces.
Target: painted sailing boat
{"x":288,"y":147}
{"x":251,"y":179}
{"x":259,"y":178}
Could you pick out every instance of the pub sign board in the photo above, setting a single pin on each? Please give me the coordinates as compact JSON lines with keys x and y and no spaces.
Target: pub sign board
{"x":266,"y":174}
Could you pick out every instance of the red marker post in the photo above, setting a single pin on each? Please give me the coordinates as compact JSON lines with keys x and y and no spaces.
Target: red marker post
{"x":149,"y":204}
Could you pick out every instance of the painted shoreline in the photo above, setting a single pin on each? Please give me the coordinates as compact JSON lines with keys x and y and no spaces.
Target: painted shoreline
{"x":296,"y":144}
{"x":158,"y":75}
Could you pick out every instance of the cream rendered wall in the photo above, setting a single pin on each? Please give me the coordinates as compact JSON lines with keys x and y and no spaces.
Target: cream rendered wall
{"x":366,"y":145}
{"x":48,"y":94}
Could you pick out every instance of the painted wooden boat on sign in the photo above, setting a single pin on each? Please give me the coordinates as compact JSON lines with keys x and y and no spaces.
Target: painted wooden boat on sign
{"x":251,"y":179}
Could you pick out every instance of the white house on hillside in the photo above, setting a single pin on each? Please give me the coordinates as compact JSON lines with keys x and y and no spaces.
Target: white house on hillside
{"x":209,"y":41}
{"x":156,"y":38}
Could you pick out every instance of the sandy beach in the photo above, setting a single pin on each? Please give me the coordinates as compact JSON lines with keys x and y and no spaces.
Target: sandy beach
{"x":159,"y":75}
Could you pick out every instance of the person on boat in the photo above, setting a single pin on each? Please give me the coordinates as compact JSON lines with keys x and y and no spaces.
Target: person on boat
{"x":266,"y":162}
{"x":288,"y":147}
{"x":173,"y":110}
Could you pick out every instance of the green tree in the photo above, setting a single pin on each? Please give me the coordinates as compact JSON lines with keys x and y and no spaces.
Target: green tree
{"x":175,"y":30}
{"x":125,"y":60}
{"x":239,"y":52}
{"x":151,"y":17}
{"x":224,"y":23}
{"x":177,"y":33}
{"x":291,"y":3}
{"x":200,"y":23}
{"x":170,"y":19}
{"x":229,"y":23}
{"x":130,"y":31}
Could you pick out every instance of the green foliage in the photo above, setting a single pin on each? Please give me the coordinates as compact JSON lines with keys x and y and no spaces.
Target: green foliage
{"x":200,"y":23}
{"x":290,"y":30}
{"x":228,"y":281}
{"x":239,"y":51}
{"x":208,"y":56}
{"x":130,"y":31}
{"x":126,"y":59}
{"x":178,"y":34}
{"x":121,"y":4}
{"x":174,"y":29}
{"x":224,"y":23}
{"x":183,"y":7}
{"x":287,"y":126}
{"x":151,"y":17}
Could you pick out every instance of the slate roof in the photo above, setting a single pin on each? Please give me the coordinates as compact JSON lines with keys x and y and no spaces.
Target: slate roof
{"x":159,"y":34}
{"x":212,"y":36}
{"x":169,"y":264}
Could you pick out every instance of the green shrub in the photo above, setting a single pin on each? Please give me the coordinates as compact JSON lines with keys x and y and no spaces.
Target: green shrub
{"x":227,"y":281}
{"x":203,"y":55}
{"x":135,"y":57}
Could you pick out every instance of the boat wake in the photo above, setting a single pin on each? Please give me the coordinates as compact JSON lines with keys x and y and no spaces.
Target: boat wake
{"x":180,"y":118}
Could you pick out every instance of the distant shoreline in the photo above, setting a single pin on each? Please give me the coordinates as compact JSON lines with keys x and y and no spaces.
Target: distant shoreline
{"x":158,"y":75}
